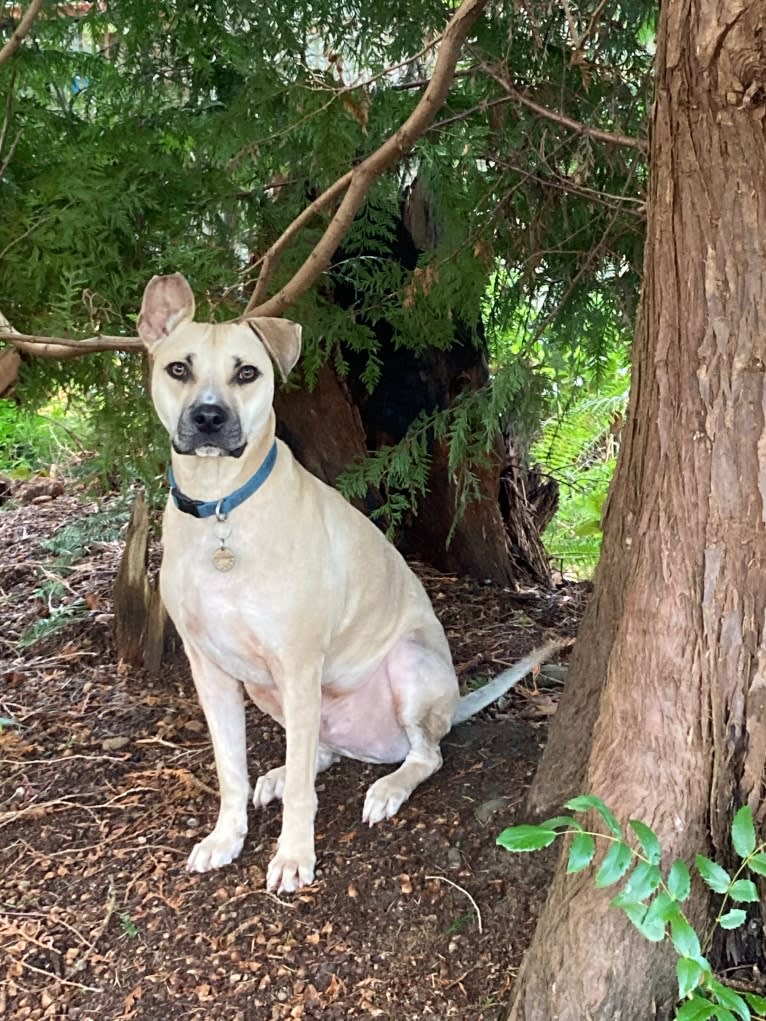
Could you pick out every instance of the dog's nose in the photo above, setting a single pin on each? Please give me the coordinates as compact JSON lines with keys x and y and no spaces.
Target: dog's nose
{"x":208,"y":418}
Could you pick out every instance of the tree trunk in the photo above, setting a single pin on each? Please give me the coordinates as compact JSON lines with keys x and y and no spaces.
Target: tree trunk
{"x":496,"y":537}
{"x":10,"y":361}
{"x":322,"y":426}
{"x":665,"y":712}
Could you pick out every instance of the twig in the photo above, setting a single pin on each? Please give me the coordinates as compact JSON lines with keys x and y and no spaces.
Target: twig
{"x":462,"y":890}
{"x":343,"y":90}
{"x":39,"y":808}
{"x":111,"y":906}
{"x":609,"y":199}
{"x":8,"y":109}
{"x":248,"y":923}
{"x":51,"y":919}
{"x":270,"y":259}
{"x":6,"y":161}
{"x":360,"y":179}
{"x":465,"y":114}
{"x":21,"y":31}
{"x":587,"y":263}
{"x":572,"y":24}
{"x":611,"y":137}
{"x":578,"y":55}
{"x":6,"y":126}
{"x":33,"y":227}
{"x":60,"y":758}
{"x":58,"y":978}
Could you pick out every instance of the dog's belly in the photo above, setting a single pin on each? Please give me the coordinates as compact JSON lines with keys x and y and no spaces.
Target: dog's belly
{"x":358,"y":724}
{"x":363,"y":723}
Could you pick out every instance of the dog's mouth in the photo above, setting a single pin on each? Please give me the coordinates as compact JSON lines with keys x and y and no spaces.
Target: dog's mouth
{"x":207,"y":449}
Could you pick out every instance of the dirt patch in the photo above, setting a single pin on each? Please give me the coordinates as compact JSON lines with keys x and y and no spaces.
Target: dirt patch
{"x":106,"y":781}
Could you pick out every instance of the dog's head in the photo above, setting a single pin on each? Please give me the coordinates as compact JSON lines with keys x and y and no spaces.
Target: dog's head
{"x":212,"y":383}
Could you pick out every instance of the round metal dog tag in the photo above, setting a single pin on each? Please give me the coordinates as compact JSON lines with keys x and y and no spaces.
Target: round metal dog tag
{"x":223,"y":559}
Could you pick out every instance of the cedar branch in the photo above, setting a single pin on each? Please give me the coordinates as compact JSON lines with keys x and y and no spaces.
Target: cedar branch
{"x":363,"y":175}
{"x":21,"y":31}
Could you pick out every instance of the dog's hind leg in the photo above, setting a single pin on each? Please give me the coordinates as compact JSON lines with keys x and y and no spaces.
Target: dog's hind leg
{"x":222,"y":701}
{"x":424,"y":687}
{"x":386,"y":796}
{"x":271,"y":785}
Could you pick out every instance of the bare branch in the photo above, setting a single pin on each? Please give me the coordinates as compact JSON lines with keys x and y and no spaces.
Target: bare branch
{"x":272,"y":256}
{"x":61,"y":347}
{"x":610,"y":137}
{"x":362,"y":176}
{"x":21,"y":31}
{"x":8,"y":111}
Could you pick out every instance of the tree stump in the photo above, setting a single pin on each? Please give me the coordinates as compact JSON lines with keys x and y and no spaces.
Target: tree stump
{"x":141,"y":622}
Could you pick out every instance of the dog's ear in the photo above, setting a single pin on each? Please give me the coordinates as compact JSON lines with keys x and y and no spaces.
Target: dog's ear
{"x":168,"y":301}
{"x":281,"y":338}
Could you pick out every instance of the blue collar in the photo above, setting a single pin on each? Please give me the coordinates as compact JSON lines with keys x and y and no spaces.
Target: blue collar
{"x":223,"y":507}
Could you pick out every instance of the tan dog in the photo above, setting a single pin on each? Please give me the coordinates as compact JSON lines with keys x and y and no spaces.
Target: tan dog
{"x":277,"y":585}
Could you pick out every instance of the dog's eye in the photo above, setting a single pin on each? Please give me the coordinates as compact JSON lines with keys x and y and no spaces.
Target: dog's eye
{"x":178,"y":370}
{"x":247,"y":374}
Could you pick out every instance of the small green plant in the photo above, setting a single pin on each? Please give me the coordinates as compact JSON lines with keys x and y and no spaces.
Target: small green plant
{"x":460,"y":923}
{"x":68,"y":545}
{"x":60,"y":617}
{"x":72,"y":542}
{"x":652,"y":899}
{"x":129,"y":927}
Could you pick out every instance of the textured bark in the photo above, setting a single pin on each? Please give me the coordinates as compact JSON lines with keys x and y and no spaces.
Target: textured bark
{"x":9,"y":371}
{"x":528,"y":501}
{"x":664,"y":716}
{"x":478,"y":545}
{"x":322,"y":426}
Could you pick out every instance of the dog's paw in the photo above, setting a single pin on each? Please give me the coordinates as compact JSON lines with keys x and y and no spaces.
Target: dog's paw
{"x":217,"y":849}
{"x":383,"y":800}
{"x":269,"y":787}
{"x":288,"y":872}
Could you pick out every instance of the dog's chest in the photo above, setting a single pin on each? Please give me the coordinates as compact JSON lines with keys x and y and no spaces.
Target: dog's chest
{"x":217,"y":616}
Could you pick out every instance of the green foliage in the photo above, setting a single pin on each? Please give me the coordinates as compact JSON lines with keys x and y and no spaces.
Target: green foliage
{"x":33,"y":442}
{"x":399,"y":473}
{"x":142,"y":138}
{"x":652,"y":899}
{"x":59,"y":617}
{"x":578,"y":446}
{"x":72,"y":542}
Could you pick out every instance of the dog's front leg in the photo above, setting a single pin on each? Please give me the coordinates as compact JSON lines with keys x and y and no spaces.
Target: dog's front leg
{"x":293,"y":864}
{"x":222,"y":702}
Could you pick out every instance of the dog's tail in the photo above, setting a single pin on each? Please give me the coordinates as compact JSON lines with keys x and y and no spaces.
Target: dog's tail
{"x":477,"y":700}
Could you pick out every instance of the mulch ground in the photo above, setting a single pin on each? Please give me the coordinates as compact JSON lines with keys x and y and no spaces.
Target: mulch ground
{"x":107,"y":779}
